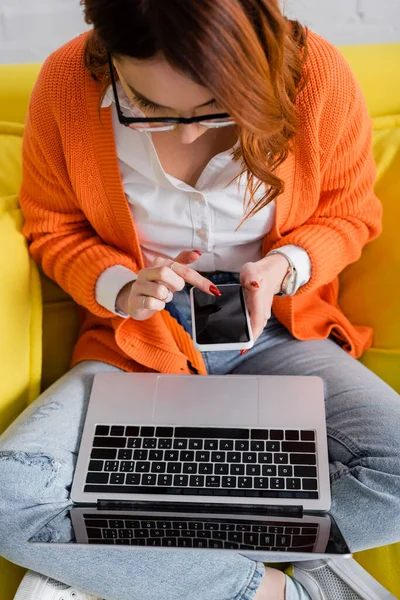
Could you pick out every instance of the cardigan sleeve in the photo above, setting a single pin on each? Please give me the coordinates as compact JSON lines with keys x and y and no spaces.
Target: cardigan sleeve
{"x":348,"y":214}
{"x":61,"y":239}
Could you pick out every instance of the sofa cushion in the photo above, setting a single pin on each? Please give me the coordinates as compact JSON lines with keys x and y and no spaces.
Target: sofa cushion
{"x":20,"y":298}
{"x":370,"y":288}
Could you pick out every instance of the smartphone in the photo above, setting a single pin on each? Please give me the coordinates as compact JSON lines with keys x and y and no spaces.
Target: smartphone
{"x":220,"y":322}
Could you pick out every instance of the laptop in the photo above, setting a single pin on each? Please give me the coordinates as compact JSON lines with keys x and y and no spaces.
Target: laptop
{"x":232,"y":463}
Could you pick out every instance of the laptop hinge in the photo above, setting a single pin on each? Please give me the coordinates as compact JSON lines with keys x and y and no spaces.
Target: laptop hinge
{"x":204,"y":507}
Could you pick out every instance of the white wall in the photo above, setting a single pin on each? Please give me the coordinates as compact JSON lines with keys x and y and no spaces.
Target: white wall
{"x":31,"y":29}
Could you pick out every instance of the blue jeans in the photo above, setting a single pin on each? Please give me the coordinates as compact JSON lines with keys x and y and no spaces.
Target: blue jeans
{"x":38,"y":454}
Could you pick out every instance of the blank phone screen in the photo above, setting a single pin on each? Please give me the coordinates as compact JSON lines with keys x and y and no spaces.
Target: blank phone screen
{"x":221,"y":319}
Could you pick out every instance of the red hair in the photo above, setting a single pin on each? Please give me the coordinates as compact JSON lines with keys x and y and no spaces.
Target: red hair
{"x":244,"y":51}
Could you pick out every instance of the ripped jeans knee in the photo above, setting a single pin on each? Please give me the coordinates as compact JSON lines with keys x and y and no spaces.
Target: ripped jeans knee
{"x":29,"y":479}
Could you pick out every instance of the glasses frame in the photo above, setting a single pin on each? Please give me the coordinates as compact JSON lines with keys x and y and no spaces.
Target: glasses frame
{"x":124,"y":120}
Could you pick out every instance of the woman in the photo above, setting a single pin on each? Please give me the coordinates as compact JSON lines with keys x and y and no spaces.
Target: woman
{"x":126,"y":219}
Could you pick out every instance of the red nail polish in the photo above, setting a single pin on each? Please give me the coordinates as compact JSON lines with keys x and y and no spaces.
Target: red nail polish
{"x":254,"y":284}
{"x":197,"y":252}
{"x":243,"y":352}
{"x":214,"y":290}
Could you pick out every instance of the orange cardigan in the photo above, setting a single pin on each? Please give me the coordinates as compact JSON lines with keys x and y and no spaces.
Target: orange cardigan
{"x":78,"y":221}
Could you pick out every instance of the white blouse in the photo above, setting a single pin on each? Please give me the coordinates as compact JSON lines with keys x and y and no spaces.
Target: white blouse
{"x":171,"y":216}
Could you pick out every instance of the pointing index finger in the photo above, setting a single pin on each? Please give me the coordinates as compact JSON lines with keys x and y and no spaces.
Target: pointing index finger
{"x":194,"y":278}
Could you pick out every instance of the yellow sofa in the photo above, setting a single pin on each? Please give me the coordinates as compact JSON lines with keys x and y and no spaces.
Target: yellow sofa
{"x":35,"y":352}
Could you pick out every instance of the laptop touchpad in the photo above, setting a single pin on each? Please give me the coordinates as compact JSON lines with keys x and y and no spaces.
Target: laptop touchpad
{"x":207,"y":400}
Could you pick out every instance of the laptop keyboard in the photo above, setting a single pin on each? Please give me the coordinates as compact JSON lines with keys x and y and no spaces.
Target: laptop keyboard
{"x":210,"y":461}
{"x":198,"y":532}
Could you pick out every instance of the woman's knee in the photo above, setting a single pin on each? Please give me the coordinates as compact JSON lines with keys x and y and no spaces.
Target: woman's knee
{"x":28,"y":479}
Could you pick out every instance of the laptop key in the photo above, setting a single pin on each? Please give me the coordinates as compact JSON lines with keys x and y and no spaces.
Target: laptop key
{"x":117,"y":478}
{"x":169,"y":542}
{"x":142,"y":467}
{"x":190,"y":467}
{"x":269,"y":470}
{"x":200,"y":543}
{"x":134,"y":443}
{"x":97,"y":477}
{"x":229,"y":482}
{"x":276,"y":434}
{"x":305,"y":471}
{"x":117,"y":430}
{"x":285,"y":471}
{"x":258,"y":446}
{"x":261,"y":482}
{"x":292,"y":434}
{"x":132,"y":431}
{"x":164,"y":480}
{"x":259,"y":434}
{"x":298,"y":446}
{"x":180,"y":444}
{"x":303,"y":459}
{"x":174,"y":467}
{"x":245,"y":482}
{"x":197,"y":481}
{"x":210,"y":444}
{"x":221,"y":469}
{"x":186,"y":455}
{"x":196,"y":444}
{"x":165,"y":443}
{"x":96,"y":465}
{"x":164,"y":432}
{"x":158,"y":467}
{"x":253,"y":469}
{"x":127,"y":466}
{"x":226,"y":444}
{"x":265,"y":457}
{"x":171,"y":455}
{"x":150,"y":443}
{"x":109,"y":442}
{"x":234,"y":457}
{"x":213,"y":481}
{"x":273,"y":446}
{"x":218,"y":457}
{"x":281,"y":459}
{"x":94,"y":532}
{"x":185,"y":543}
{"x":102,"y":430}
{"x":111,"y":465}
{"x":308,"y":435}
{"x":123,"y":454}
{"x":249,"y":457}
{"x":205,"y":468}
{"x":181,"y":480}
{"x":147,"y":431}
{"x":237,"y":469}
{"x":156,"y":455}
{"x":277,"y":483}
{"x":149,"y":479}
{"x":105,"y":453}
{"x":251,"y":538}
{"x":132,"y":479}
{"x":202,"y":456}
{"x":241,"y":445}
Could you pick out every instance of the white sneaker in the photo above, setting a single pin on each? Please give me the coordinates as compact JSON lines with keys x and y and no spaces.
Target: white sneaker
{"x":338,"y":579}
{"x":39,"y":587}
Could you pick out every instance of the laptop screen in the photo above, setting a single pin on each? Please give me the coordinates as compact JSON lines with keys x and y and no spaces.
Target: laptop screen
{"x":180,"y":527}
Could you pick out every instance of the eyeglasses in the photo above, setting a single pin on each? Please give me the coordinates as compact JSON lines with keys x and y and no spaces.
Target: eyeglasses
{"x":168,"y":123}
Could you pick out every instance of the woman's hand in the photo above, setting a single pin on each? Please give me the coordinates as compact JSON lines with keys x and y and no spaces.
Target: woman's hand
{"x":261,"y":280}
{"x":155,"y":285}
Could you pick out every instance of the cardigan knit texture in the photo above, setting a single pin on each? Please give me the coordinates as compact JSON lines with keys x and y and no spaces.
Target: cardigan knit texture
{"x":78,"y":222}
